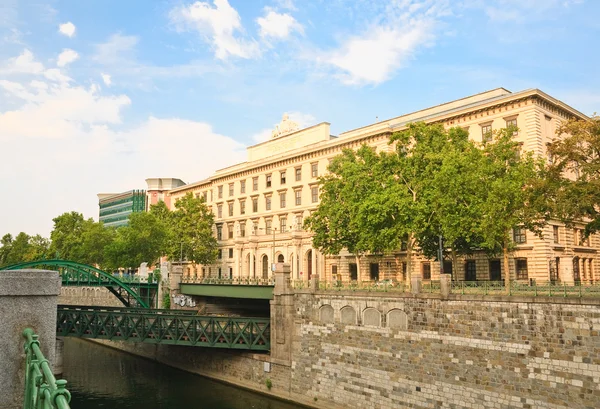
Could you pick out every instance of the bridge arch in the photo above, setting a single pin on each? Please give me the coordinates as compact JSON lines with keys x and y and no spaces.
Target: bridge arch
{"x":86,"y":273}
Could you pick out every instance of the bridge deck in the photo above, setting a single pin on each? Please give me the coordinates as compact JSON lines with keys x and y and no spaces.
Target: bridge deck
{"x":174,"y":327}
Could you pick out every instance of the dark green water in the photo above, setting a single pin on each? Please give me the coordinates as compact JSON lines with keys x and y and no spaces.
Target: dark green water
{"x":101,"y":377}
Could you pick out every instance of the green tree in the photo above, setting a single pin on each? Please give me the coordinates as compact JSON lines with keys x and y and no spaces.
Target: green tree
{"x":6,"y":248}
{"x":141,"y":240}
{"x":344,"y":190}
{"x":38,"y":248}
{"x":95,"y":238}
{"x":19,"y":249}
{"x":67,"y":236}
{"x":514,"y":195}
{"x":192,"y":231}
{"x":455,"y":193}
{"x":574,"y":173}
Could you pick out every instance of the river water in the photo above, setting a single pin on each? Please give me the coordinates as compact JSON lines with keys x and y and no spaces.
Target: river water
{"x":101,"y":377}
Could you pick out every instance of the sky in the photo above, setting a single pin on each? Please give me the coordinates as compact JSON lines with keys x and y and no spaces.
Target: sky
{"x":96,"y":96}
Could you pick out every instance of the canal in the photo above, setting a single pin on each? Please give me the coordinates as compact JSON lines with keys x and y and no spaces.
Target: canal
{"x":101,"y":377}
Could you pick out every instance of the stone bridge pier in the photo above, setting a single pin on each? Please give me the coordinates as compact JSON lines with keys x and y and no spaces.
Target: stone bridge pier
{"x":28,"y":299}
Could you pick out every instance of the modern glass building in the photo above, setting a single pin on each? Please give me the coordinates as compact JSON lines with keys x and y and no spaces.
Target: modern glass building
{"x":115,"y":208}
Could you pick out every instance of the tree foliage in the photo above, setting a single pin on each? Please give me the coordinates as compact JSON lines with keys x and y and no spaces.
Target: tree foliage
{"x":575,"y":172}
{"x":435,"y":183}
{"x":141,"y":240}
{"x":514,"y":195}
{"x":192,"y":231}
{"x":22,"y":248}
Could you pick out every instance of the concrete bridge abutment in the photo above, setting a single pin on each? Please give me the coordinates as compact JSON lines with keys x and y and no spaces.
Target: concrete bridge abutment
{"x":28,"y":299}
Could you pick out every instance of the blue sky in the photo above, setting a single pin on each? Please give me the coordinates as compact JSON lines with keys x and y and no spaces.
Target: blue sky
{"x":96,"y":96}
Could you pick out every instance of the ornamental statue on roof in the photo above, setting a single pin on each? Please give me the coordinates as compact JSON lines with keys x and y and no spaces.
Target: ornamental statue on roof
{"x":286,"y":126}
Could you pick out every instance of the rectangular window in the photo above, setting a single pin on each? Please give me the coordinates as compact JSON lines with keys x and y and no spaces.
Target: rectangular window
{"x":314,"y":191}
{"x":334,"y":271}
{"x":299,"y":222}
{"x":519,"y":235}
{"x":282,"y":224}
{"x":486,"y":133}
{"x":230,"y":189}
{"x":220,"y":192}
{"x":219,"y":211}
{"x":255,"y":204}
{"x":282,"y":200}
{"x":268,"y":202}
{"x":511,"y":123}
{"x":205,"y":196}
{"x":230,"y":205}
{"x":282,"y":174}
{"x":426,"y":270}
{"x":314,"y":169}
{"x":268,"y":226}
{"x":220,"y":254}
{"x":268,"y":180}
{"x":219,"y":232}
{"x":242,"y":229}
{"x":230,"y":253}
{"x":555,"y":233}
{"x":230,"y":230}
{"x":521,"y":266}
{"x":242,"y":186}
{"x":243,"y":206}
{"x":470,"y":270}
{"x":298,"y":174}
{"x":254,"y":184}
{"x":298,"y":194}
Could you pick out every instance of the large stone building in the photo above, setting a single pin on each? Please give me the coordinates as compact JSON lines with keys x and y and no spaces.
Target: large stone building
{"x":260,"y":204}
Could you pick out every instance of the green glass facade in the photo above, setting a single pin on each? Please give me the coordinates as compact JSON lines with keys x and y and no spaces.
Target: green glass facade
{"x":115,"y":209}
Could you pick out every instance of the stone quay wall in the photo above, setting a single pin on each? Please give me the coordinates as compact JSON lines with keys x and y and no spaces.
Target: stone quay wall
{"x":377,"y":351}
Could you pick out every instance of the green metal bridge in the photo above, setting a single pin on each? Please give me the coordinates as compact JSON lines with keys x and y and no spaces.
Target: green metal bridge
{"x":130,"y":290}
{"x":173,"y":327}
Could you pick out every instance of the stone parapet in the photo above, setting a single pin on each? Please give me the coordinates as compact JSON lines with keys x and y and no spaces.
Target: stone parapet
{"x":28,"y":299}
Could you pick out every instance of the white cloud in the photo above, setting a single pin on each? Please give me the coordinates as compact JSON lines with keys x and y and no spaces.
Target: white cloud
{"x":524,"y":11}
{"x":286,"y":4}
{"x":106,"y":78}
{"x":23,"y":64}
{"x":392,"y":38}
{"x":63,"y":137}
{"x":278,"y":26}
{"x":118,"y":49}
{"x":374,"y":57}
{"x":67,"y":29}
{"x":67,"y":57}
{"x":221,"y":26}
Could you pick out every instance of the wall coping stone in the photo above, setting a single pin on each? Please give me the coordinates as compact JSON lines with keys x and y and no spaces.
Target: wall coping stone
{"x":27,"y":282}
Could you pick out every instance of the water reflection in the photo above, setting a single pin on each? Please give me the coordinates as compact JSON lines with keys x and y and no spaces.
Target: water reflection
{"x":101,"y":377}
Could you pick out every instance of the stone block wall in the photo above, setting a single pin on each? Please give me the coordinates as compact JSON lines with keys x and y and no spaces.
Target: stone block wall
{"x":376,"y":351}
{"x":92,"y":296}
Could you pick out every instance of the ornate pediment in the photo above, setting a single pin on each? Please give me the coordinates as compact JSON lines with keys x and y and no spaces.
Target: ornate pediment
{"x":286,"y":126}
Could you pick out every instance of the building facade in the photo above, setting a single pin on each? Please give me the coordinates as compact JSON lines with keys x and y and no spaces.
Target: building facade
{"x":115,"y":208}
{"x":157,"y":189}
{"x":260,"y":204}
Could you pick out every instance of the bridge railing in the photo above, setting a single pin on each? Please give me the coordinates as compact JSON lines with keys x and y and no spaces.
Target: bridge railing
{"x":42,"y":390}
{"x":229,"y":281}
{"x":175,"y":329}
{"x":128,"y":310}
